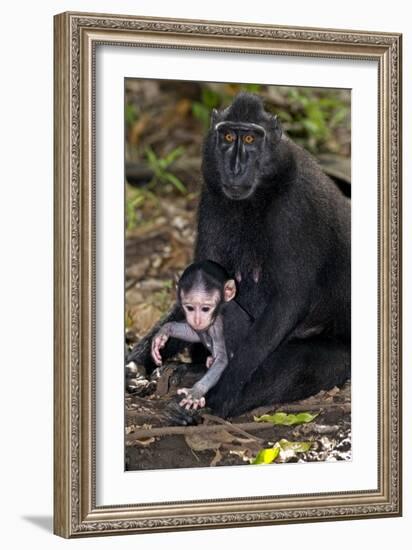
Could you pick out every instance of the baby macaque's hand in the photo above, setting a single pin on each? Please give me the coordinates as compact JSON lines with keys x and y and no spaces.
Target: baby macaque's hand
{"x":158,"y":342}
{"x":209,"y":361}
{"x":194,"y":398}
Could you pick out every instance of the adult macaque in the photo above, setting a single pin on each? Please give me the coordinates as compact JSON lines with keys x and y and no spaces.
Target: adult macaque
{"x":203,"y":291}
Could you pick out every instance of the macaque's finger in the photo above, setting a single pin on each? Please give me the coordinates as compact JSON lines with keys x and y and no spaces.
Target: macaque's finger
{"x":162,"y":341}
{"x":182,"y":391}
{"x":158,"y":343}
{"x":199,"y":403}
{"x":157,"y":358}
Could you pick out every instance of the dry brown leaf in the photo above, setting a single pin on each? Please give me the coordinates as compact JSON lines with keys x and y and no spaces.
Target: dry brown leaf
{"x":211,"y":440}
{"x":138,"y":128}
{"x":217,"y":458}
{"x":143,"y":442}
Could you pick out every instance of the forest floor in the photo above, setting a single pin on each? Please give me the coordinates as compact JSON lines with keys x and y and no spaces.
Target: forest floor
{"x":151,"y":443}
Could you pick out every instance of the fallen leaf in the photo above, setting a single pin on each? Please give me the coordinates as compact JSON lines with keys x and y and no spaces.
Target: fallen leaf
{"x":282,"y":450}
{"x":266,"y":456}
{"x":217,"y":458}
{"x":212,"y":440}
{"x":284,"y":419}
{"x":143,"y":442}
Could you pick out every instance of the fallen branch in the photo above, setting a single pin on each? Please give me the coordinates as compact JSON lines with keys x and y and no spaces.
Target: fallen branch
{"x":243,"y":427}
{"x":201,"y":429}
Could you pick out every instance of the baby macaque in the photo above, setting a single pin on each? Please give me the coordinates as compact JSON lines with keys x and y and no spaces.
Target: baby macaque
{"x":203,"y":291}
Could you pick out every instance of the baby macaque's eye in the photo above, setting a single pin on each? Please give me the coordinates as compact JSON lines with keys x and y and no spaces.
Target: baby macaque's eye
{"x":205,"y":309}
{"x":189,"y":308}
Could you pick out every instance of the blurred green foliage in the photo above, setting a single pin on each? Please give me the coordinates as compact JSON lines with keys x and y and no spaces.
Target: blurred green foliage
{"x":137,"y":197}
{"x":313,"y":115}
{"x":160,"y":167}
{"x":131,"y":114}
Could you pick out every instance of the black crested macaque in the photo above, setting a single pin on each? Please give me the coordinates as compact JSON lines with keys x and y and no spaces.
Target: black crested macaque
{"x":270,"y":215}
{"x":203,"y":291}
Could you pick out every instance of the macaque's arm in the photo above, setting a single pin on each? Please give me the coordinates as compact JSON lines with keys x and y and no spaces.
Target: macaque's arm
{"x":220,"y":361}
{"x":181,"y":331}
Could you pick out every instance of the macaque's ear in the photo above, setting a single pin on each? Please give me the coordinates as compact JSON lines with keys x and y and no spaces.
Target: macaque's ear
{"x":275,"y":126}
{"x":214,"y":117}
{"x":229,"y":291}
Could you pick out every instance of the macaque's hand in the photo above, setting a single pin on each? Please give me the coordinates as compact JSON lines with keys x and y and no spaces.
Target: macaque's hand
{"x":209,"y":361}
{"x":159,"y":342}
{"x":194,"y":398}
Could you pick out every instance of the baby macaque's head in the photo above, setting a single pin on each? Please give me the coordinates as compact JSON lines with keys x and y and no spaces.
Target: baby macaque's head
{"x":201,"y":291}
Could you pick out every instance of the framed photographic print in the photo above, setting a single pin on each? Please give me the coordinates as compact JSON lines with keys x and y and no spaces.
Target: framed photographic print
{"x":227,"y":274}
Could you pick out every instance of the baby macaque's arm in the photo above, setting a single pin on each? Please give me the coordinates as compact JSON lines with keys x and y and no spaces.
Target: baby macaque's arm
{"x":195,"y":395}
{"x":182,"y":331}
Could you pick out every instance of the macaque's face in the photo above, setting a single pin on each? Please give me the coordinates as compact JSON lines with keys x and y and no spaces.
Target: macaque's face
{"x":199,"y":307}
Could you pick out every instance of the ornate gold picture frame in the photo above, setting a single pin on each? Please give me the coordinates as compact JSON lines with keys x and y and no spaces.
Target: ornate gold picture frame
{"x":76,"y":37}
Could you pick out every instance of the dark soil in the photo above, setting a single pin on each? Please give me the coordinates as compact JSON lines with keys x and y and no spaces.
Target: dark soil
{"x":212,"y":442}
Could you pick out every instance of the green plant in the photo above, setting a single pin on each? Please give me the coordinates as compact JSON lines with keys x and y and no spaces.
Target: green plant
{"x":136,"y":198}
{"x":160,"y":168}
{"x":209,"y":99}
{"x":312,"y":116}
{"x":131,"y":113}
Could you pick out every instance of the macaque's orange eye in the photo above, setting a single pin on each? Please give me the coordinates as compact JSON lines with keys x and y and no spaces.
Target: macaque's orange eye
{"x":229,"y":137}
{"x":248,"y":139}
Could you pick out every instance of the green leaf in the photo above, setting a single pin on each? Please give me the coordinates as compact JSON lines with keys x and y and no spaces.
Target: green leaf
{"x":210,"y":98}
{"x":151,"y":157}
{"x":284,"y":419}
{"x":283,"y":450}
{"x":175,"y":181}
{"x":202,"y":113}
{"x":131,"y":114}
{"x":266,"y":456}
{"x":252,"y":88}
{"x":173,"y":155}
